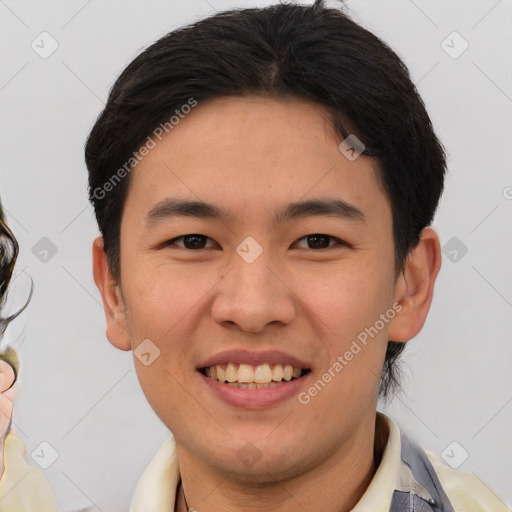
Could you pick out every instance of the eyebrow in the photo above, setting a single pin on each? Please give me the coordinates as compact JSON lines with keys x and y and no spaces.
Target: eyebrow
{"x":328,"y":207}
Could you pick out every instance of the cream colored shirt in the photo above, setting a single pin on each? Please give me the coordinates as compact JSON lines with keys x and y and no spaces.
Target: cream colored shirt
{"x":24,"y":488}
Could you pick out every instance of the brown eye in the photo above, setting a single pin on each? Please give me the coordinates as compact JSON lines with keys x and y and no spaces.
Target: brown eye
{"x":320,"y":241}
{"x":191,"y":241}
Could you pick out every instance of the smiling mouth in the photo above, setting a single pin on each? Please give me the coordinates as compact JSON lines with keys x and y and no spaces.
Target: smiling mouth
{"x":249,"y":376}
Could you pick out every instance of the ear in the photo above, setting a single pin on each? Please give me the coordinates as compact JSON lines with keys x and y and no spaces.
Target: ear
{"x":414,"y":287}
{"x":113,"y":303}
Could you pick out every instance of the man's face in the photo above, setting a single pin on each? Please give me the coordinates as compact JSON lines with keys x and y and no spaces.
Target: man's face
{"x":301,"y":301}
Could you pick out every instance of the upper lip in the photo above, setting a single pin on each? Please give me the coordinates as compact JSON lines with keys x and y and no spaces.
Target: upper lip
{"x":254,"y":358}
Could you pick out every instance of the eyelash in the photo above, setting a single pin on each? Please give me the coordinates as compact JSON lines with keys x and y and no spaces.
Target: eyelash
{"x":338,"y":240}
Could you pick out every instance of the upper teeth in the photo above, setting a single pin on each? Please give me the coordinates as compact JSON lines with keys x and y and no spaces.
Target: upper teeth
{"x":263,"y":373}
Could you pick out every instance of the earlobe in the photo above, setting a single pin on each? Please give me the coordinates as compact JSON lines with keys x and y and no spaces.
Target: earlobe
{"x":113,"y":303}
{"x":415,"y":287}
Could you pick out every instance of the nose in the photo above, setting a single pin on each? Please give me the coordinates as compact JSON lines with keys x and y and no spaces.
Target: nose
{"x":253,"y":295}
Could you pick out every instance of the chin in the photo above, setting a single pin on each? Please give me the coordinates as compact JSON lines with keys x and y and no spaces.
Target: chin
{"x":259,"y":465}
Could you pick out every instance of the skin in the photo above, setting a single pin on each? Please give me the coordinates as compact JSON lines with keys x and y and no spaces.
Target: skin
{"x":252,"y":155}
{"x":7,"y":395}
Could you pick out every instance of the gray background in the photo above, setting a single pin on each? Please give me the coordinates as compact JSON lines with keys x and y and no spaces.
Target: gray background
{"x":81,"y":395}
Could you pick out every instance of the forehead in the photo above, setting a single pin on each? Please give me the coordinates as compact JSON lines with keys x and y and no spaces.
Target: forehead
{"x":253,"y":154}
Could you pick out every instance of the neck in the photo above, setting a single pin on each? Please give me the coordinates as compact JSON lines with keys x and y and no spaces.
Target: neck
{"x":337,"y":484}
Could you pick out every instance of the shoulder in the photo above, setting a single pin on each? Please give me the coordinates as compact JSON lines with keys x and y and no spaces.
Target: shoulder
{"x":22,"y":486}
{"x":466,"y":491}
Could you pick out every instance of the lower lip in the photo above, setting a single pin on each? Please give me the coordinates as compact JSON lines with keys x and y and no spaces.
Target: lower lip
{"x":255,"y":399}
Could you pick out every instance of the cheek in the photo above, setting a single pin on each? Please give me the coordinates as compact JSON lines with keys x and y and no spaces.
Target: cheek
{"x":347,"y":300}
{"x":160,"y":302}
{"x":349,"y":305}
{"x":166,"y":303}
{"x":158,"y":298}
